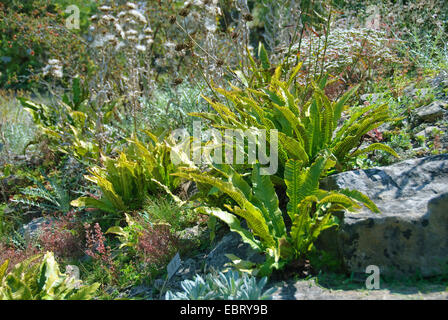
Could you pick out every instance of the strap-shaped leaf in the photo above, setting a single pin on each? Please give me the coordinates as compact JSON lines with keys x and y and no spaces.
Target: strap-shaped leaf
{"x":234,"y":225}
{"x":294,"y":73}
{"x":262,"y":53}
{"x":264,"y":191}
{"x":3,"y":269}
{"x":339,"y":106}
{"x":292,"y":181}
{"x":338,"y":198}
{"x":361,"y":197}
{"x":84,"y":293}
{"x":247,"y":210}
{"x":293,"y":147}
{"x":375,"y":146}
{"x":94,"y":203}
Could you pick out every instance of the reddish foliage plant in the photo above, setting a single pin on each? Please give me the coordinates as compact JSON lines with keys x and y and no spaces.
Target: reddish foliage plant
{"x":63,"y":236}
{"x":96,"y":247}
{"x":158,"y":245}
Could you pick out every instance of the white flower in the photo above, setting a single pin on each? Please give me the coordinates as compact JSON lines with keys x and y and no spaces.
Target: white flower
{"x":119,"y":30}
{"x":170,"y":45}
{"x":54,"y":62}
{"x":120,"y":45}
{"x":107,"y":19}
{"x":140,"y":47}
{"x":213,"y":9}
{"x":140,"y":17}
{"x":147,"y":30}
{"x":57,"y":72}
{"x":110,"y":38}
{"x":131,"y":5}
{"x":105,"y":8}
{"x":131,"y":21}
{"x":46,"y":69}
{"x":131,"y":32}
{"x":132,"y":38}
{"x":98,"y":43}
{"x":210,"y":24}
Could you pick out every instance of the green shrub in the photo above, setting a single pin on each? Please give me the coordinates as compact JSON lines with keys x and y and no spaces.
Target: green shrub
{"x":159,"y":209}
{"x":33,"y":33}
{"x":168,"y":107}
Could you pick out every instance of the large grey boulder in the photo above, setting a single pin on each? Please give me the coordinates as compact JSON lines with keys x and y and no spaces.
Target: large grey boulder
{"x":32,"y":230}
{"x":431,"y":112}
{"x":411,"y":234}
{"x":231,"y":244}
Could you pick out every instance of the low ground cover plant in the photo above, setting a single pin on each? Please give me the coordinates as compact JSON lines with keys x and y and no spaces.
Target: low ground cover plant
{"x":225,"y":286}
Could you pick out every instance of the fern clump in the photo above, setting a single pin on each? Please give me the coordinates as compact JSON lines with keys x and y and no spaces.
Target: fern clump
{"x":127,"y":180}
{"x":307,"y":121}
{"x":309,"y":208}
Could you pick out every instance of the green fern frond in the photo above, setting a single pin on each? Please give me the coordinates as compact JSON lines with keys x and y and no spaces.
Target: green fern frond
{"x":361,"y":197}
{"x":373,"y":147}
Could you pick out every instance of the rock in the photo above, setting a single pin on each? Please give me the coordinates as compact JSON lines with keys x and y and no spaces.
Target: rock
{"x":72,"y":272}
{"x":142,"y":291}
{"x":231,"y":243}
{"x":410,"y":234}
{"x":10,"y":184}
{"x":431,"y":112}
{"x":427,"y":132}
{"x":187,"y":269}
{"x":439,"y":81}
{"x":412,"y":92}
{"x":158,"y":284}
{"x":31,"y":230}
{"x":311,"y":290}
{"x":190,"y":233}
{"x":371,"y":97}
{"x":420,"y":93}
